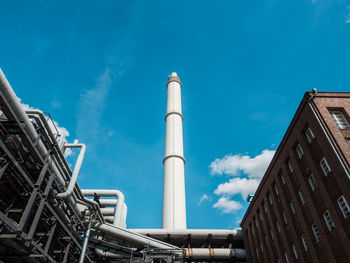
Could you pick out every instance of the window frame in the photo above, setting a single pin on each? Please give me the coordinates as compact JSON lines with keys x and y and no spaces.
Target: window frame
{"x":309,"y":135}
{"x":328,"y":220}
{"x":325,"y":168}
{"x":299,"y":150}
{"x":312,"y":182}
{"x":345,"y":213}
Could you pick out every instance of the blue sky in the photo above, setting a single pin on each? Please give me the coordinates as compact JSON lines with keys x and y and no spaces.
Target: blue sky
{"x":100,"y":69}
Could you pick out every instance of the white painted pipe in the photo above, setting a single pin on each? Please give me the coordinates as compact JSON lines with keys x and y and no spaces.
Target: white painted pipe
{"x":76,"y":170}
{"x":137,"y":239}
{"x":195,"y":233}
{"x":174,"y":202}
{"x":109,"y":193}
{"x":214,"y":254}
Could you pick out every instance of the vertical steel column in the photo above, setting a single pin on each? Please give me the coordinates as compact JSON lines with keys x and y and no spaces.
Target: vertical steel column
{"x":65,"y":258}
{"x":86,"y":240}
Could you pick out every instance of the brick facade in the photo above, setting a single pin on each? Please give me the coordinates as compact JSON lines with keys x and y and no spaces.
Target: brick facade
{"x":279,"y":222}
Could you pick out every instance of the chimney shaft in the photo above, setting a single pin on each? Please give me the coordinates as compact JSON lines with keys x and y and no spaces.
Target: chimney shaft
{"x":174,"y":201}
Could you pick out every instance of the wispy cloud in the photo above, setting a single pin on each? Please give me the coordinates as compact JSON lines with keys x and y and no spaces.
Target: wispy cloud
{"x":236,"y":164}
{"x":227,"y":206}
{"x":205,"y":198}
{"x":347,"y":17}
{"x":247,"y":171}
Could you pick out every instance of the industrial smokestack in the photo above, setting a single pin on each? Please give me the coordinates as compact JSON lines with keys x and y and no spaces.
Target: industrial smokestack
{"x":174,"y":201}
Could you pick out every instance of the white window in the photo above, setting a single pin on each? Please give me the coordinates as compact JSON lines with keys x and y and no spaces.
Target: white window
{"x":257,"y":252}
{"x":272,"y":236}
{"x":260,"y":216}
{"x":270,"y":199}
{"x":329,"y":222}
{"x":286,"y":256}
{"x":278,"y":227}
{"x":256,"y":223}
{"x":261,"y":247}
{"x":325,"y":167}
{"x":340,"y":120}
{"x":292,"y":207}
{"x":301,"y":196}
{"x":312,"y":182}
{"x":304,"y":241}
{"x":291,"y":168}
{"x":295,"y":251}
{"x":278,"y":260}
{"x":282,"y":178}
{"x":265,"y":208}
{"x":309,"y":135}
{"x":344,"y":207}
{"x":315,"y":231}
{"x":299,"y":151}
{"x":276,"y":190}
{"x":285,"y":217}
{"x":267,"y":242}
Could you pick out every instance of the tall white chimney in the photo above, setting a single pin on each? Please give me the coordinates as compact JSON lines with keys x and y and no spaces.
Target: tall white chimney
{"x":174,"y":201}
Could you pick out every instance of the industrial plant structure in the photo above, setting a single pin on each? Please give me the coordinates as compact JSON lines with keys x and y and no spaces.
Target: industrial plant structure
{"x":300,"y":211}
{"x":46,"y":217}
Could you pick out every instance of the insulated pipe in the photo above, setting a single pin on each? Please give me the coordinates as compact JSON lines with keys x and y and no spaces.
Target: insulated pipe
{"x":76,"y":170}
{"x":195,"y":233}
{"x":130,"y":236}
{"x":17,"y":109}
{"x":174,"y":200}
{"x":109,"y":193}
{"x":214,"y":254}
{"x":107,"y":254}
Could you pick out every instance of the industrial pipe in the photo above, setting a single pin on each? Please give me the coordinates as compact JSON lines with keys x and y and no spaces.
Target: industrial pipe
{"x":76,"y":170}
{"x":130,"y":236}
{"x":109,"y":193}
{"x":195,"y":233}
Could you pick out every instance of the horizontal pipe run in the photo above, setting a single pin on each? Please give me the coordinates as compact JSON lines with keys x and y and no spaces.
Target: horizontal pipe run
{"x":109,"y":193}
{"x":214,"y":254}
{"x":195,"y":233}
{"x":137,"y":239}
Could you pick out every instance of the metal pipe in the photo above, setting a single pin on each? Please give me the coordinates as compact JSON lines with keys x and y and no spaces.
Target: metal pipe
{"x":195,"y":233}
{"x":76,"y":170}
{"x":137,"y":239}
{"x":214,"y":254}
{"x":109,"y":193}
{"x":86,"y":240}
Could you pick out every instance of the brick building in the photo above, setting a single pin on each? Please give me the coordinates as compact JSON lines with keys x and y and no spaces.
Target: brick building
{"x":300,"y":211}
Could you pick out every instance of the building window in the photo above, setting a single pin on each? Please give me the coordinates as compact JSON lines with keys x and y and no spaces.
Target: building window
{"x":325,"y":167}
{"x":301,"y":196}
{"x":292,"y":207}
{"x":286,"y":256}
{"x":299,"y":151}
{"x":304,"y":241}
{"x":312,"y":182}
{"x":309,"y":135}
{"x":257,"y":252}
{"x":340,"y":120}
{"x":261,"y":247}
{"x":267,"y":242}
{"x":260,"y":216}
{"x":329,"y":222}
{"x":256,"y":223}
{"x":265,"y":208}
{"x":295,"y":251}
{"x":270,"y":199}
{"x":315,"y":231}
{"x":344,"y":207}
{"x":272,"y":236}
{"x":282,"y":178}
{"x":278,"y":227}
{"x":278,"y":260}
{"x":347,"y":141}
{"x":275,"y":187}
{"x":291,"y":168}
{"x":285,"y":217}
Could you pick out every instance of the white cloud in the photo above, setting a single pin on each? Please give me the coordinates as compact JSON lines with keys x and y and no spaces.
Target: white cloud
{"x":205,"y":198}
{"x":54,"y":127}
{"x":236,"y":164}
{"x":235,"y":186}
{"x":227,"y":206}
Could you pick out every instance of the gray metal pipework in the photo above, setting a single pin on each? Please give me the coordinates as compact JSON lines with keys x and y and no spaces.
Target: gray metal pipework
{"x":130,"y":236}
{"x":76,"y":170}
{"x":118,"y":214}
{"x":17,"y":110}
